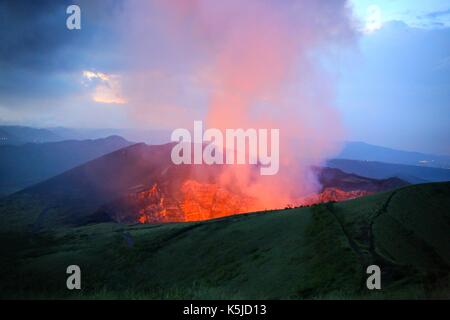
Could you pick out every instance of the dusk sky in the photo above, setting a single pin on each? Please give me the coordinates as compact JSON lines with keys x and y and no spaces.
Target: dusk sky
{"x":392,"y":83}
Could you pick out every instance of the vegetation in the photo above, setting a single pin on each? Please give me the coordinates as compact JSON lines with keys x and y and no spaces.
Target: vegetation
{"x":318,"y":252}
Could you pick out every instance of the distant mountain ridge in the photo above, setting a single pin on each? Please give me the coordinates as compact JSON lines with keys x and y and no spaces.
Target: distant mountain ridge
{"x":381,"y":170}
{"x":149,"y":136}
{"x":16,"y":135}
{"x":368,"y":152}
{"x":26,"y":164}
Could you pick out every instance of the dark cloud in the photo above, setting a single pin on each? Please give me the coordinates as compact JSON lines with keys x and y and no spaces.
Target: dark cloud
{"x":34,"y":33}
{"x":36,"y":48}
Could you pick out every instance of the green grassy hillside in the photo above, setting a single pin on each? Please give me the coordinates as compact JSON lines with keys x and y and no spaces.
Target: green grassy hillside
{"x":316,"y":253}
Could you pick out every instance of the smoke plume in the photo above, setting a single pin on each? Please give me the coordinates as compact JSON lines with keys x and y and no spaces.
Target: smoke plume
{"x":242,"y":64}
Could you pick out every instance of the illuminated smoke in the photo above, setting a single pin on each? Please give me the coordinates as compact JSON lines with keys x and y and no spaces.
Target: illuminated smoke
{"x":242,"y":64}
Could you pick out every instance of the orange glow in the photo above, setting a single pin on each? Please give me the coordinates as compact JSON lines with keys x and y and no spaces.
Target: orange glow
{"x":249,"y":64}
{"x":204,"y":201}
{"x":196,"y":202}
{"x":332,"y":195}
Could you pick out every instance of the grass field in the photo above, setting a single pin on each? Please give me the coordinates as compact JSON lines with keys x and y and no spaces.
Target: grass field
{"x":319,"y":252}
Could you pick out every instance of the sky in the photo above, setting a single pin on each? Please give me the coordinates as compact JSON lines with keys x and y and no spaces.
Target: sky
{"x":396,"y":90}
{"x":392,"y":84}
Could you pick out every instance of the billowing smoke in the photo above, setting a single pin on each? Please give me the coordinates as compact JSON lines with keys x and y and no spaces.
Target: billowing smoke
{"x":242,"y":64}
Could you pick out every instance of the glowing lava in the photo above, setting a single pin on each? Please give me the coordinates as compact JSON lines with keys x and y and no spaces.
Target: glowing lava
{"x":196,"y":201}
{"x":332,"y":195}
{"x":203,"y":201}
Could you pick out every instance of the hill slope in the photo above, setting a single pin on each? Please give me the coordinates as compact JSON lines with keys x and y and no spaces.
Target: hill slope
{"x":316,"y":252}
{"x":121,"y":180}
